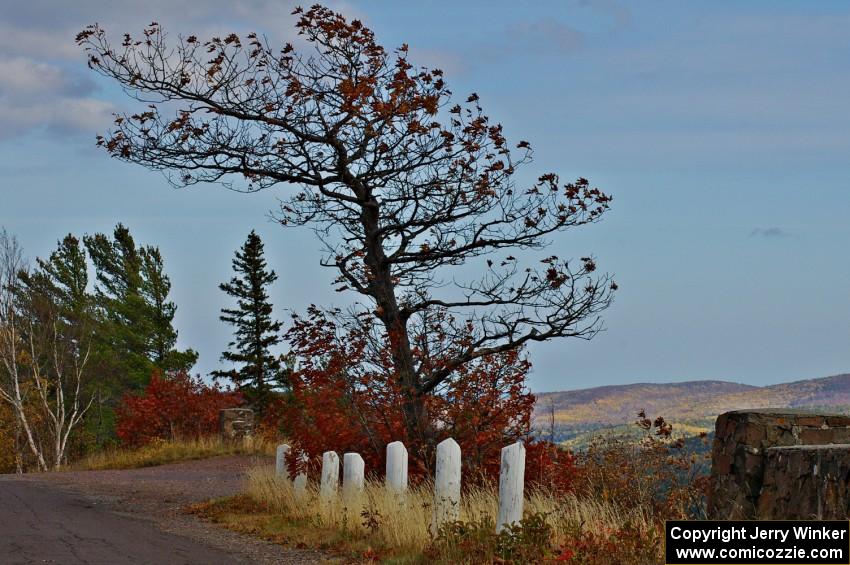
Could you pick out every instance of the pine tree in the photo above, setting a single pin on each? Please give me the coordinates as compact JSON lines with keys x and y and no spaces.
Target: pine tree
{"x":256,"y":332}
{"x":60,"y":332}
{"x":62,"y":279}
{"x":61,"y":283}
{"x":137,"y":333}
{"x":163,"y":337}
{"x":121,"y":345}
{"x":55,"y":297}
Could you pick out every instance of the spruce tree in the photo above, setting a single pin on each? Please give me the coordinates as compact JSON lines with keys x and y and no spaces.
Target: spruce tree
{"x":255,"y":331}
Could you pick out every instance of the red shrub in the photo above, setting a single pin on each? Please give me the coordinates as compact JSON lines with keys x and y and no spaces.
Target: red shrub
{"x":485,"y":407}
{"x":345,"y":397}
{"x":550,"y":467}
{"x":337,"y":403}
{"x":172,"y":406}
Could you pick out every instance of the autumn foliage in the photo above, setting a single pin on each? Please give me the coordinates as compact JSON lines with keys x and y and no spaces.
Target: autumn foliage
{"x":171,"y":407}
{"x":402,"y":182}
{"x":344,"y":399}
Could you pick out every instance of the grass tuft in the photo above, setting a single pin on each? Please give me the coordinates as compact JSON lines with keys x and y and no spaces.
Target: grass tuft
{"x":401,"y":528}
{"x":161,"y":452}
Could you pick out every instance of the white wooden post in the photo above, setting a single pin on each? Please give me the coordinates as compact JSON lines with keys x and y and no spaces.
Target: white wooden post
{"x":300,"y":482}
{"x":511,"y":483}
{"x":330,"y":476}
{"x":447,"y":484}
{"x":280,"y":462}
{"x":353,"y":469}
{"x":396,"y":467}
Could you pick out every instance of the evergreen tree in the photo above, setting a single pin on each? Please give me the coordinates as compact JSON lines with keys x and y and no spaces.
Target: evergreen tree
{"x":62,"y":279}
{"x":256,"y":332}
{"x":163,"y":337}
{"x":54,"y":299}
{"x":63,"y":328}
{"x":123,"y":331}
{"x":137,"y":334}
{"x":122,"y":348}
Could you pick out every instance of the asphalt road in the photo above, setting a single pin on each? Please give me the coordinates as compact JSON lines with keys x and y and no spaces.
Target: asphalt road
{"x":133,"y":516}
{"x":41,"y":524}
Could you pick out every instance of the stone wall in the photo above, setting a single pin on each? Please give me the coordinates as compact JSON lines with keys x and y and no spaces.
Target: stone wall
{"x":236,"y":423}
{"x":759,"y":470}
{"x":806,"y":482}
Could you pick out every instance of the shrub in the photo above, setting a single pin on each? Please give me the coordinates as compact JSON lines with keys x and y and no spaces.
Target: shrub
{"x":7,"y":439}
{"x":175,"y":406}
{"x":630,"y":544}
{"x":345,"y":399}
{"x":477,"y":542}
{"x":656,"y":473}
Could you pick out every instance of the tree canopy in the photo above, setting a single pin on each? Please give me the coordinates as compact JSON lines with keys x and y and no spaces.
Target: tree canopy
{"x":136,"y":333}
{"x":402,"y":185}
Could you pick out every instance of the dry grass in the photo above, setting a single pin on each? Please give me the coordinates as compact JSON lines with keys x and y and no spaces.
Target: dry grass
{"x":172,"y":451}
{"x":405,"y":524}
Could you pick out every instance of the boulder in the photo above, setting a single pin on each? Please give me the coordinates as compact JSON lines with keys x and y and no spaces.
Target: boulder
{"x":236,"y":424}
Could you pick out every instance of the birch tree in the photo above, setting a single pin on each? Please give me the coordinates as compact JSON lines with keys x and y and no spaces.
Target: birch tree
{"x":45,"y":329}
{"x":14,"y":388}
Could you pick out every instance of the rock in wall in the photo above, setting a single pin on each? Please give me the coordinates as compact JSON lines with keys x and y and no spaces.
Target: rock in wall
{"x":236,"y":423}
{"x":806,"y":482}
{"x":742,"y":441}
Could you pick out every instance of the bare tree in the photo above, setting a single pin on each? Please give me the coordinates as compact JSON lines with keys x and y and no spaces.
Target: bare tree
{"x":43,"y":366}
{"x":551,"y":421}
{"x":57,"y":369}
{"x":401,"y":185}
{"x":14,"y":387}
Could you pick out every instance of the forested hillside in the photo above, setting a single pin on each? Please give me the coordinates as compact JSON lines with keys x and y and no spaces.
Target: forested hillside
{"x":691,"y":406}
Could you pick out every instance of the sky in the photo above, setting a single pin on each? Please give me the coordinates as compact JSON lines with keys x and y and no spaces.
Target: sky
{"x":721,"y":129}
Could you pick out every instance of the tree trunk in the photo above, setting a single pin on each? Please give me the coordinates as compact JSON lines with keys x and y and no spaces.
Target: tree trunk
{"x":58,"y":448}
{"x":36,"y":451}
{"x":415,"y":414}
{"x":19,"y":448}
{"x":383,"y":291}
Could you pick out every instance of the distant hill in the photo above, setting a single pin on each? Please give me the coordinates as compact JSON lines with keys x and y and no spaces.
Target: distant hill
{"x":694,"y":401}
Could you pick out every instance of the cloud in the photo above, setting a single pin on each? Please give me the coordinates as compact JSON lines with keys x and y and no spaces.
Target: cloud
{"x":22,"y":77}
{"x":770,"y":232}
{"x":545,"y":35}
{"x":451,"y":63}
{"x":44,"y":83}
{"x":41,"y":43}
{"x":553,"y":36}
{"x":617,"y":11}
{"x":36,"y":95}
{"x":58,"y":116}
